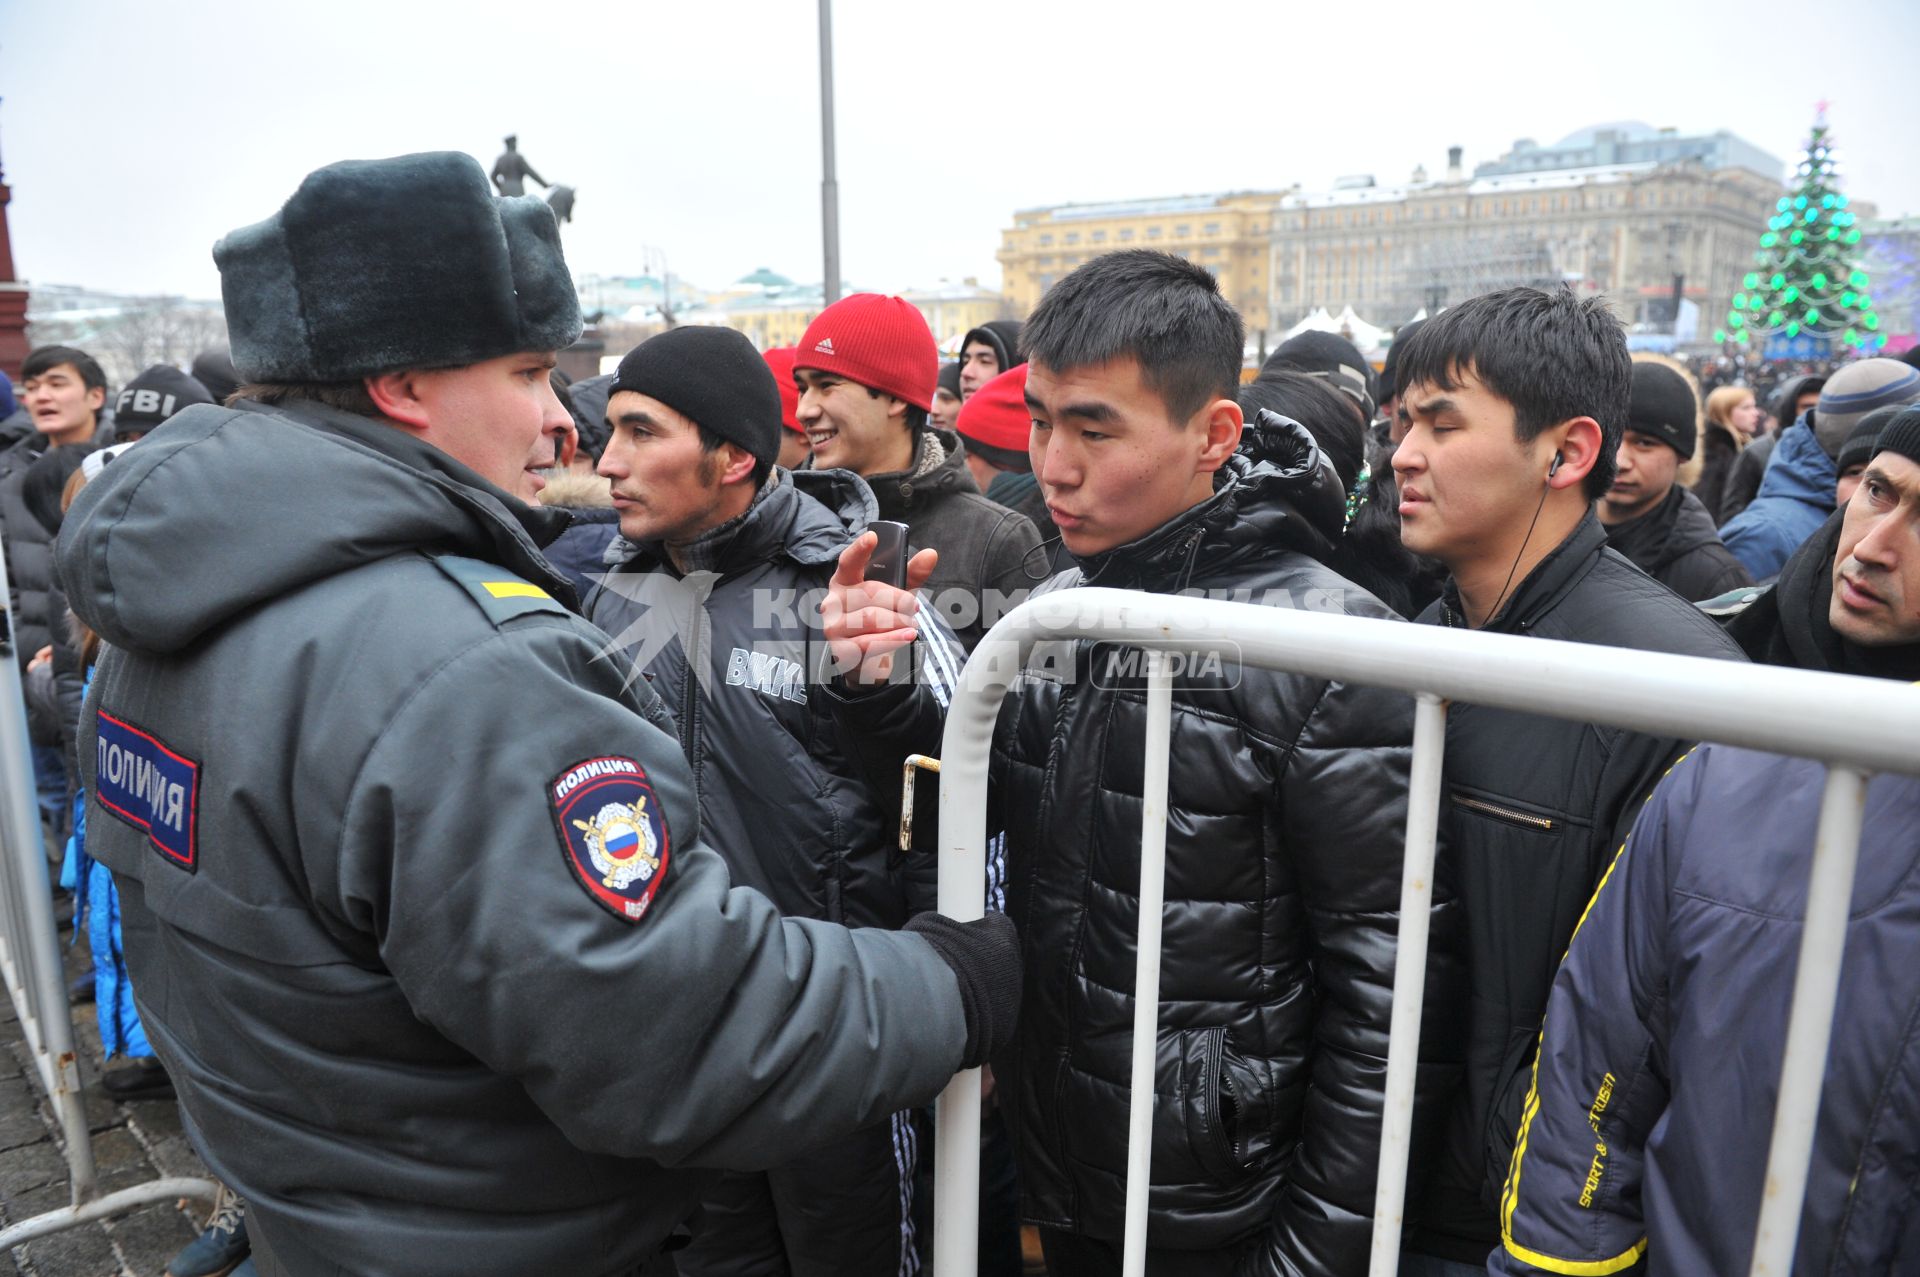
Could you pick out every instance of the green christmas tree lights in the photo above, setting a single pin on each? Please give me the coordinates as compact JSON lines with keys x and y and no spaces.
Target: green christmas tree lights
{"x":1804,"y":278}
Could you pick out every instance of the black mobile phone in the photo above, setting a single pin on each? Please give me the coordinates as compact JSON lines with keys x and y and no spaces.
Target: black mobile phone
{"x":889,"y":561}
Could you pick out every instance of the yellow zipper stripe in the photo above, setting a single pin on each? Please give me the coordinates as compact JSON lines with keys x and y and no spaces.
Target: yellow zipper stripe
{"x":1510,"y":1194}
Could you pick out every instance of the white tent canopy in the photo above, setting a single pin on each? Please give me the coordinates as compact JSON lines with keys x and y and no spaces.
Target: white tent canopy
{"x":1367,"y":337}
{"x":1318,"y":322}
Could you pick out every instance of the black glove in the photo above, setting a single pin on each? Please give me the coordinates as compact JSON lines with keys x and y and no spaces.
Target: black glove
{"x":985,"y":957}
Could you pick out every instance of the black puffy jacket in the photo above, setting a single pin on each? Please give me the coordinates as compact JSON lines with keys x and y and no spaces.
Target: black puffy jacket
{"x":781,"y":798}
{"x":1287,"y":806}
{"x":1535,"y":808}
{"x":29,"y":548}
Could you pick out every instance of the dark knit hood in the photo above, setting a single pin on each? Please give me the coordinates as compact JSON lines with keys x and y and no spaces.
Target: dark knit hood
{"x":1277,"y":493}
{"x":1783,"y":413}
{"x":1003,"y":335}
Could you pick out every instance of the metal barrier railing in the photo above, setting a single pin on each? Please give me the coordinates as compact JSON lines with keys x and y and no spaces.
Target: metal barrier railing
{"x":1856,"y":726}
{"x":30,"y":964}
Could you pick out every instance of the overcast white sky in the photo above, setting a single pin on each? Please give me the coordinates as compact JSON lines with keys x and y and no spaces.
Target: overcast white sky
{"x":134,"y":132}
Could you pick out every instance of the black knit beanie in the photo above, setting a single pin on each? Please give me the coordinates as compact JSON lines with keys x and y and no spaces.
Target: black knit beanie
{"x":1901,"y":435}
{"x":1663,"y":406}
{"x":1857,"y":449}
{"x":712,"y":376}
{"x":214,"y":369}
{"x":1334,"y":359}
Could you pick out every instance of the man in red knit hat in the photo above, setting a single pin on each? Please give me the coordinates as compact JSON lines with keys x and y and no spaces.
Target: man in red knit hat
{"x":866,"y":371}
{"x":794,"y":448}
{"x":995,"y":424}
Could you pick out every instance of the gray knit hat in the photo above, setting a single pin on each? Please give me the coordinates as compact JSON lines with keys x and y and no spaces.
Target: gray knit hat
{"x":1857,"y":390}
{"x":409,"y":262}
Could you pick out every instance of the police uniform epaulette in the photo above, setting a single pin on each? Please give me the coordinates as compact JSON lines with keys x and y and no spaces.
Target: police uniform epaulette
{"x":498,"y":592}
{"x":1724,"y":607}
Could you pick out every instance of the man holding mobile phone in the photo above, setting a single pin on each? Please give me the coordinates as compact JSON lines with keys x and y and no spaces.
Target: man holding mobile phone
{"x":867,"y":368}
{"x":721,"y":557}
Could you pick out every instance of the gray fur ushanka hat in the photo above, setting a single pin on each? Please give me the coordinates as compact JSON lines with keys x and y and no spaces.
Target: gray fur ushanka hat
{"x":409,"y":262}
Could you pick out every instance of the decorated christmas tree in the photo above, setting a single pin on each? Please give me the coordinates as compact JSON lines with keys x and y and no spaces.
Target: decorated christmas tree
{"x":1807,"y":281}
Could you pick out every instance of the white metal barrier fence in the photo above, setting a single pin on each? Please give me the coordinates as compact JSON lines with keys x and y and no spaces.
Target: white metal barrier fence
{"x":30,"y":964}
{"x":1856,"y":726}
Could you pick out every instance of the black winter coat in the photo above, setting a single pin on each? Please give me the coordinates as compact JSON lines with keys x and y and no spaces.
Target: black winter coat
{"x":989,"y":554}
{"x":1743,"y":479}
{"x":1535,"y":809}
{"x":781,"y":797}
{"x":1675,"y":543}
{"x":1287,"y":807}
{"x":29,"y":546}
{"x":1716,"y":469}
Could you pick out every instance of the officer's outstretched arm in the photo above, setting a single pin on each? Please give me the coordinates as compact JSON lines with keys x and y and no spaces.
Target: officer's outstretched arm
{"x":542,"y":898}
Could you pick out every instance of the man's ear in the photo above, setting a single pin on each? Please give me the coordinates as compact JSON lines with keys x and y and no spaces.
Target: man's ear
{"x":96,"y":397}
{"x":1222,"y":420}
{"x":897,"y":408}
{"x":398,"y":397}
{"x":1581,"y":443}
{"x":738,"y":464}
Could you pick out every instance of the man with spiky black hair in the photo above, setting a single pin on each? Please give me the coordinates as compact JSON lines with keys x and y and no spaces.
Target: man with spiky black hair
{"x":1287,"y":808}
{"x":1514,"y":405}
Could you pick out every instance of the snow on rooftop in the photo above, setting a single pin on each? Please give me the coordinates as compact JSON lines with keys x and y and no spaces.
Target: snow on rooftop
{"x":1506,"y":183}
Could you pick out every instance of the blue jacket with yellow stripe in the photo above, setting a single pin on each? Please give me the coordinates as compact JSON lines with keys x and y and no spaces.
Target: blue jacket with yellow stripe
{"x":1644,"y":1144}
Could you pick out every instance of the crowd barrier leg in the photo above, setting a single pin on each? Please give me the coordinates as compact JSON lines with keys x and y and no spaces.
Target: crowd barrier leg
{"x":1816,"y":988}
{"x":34,"y":975}
{"x":1857,"y":726}
{"x":36,"y":980}
{"x":1146,"y":967}
{"x":1409,"y":981}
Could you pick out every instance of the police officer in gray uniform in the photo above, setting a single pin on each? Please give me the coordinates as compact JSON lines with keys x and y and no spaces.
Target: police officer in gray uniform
{"x":416,"y":909}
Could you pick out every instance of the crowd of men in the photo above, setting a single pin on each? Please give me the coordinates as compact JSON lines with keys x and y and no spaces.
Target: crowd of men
{"x":497,"y":778}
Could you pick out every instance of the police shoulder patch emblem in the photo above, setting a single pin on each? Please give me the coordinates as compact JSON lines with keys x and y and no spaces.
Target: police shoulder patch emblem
{"x":613,"y":832}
